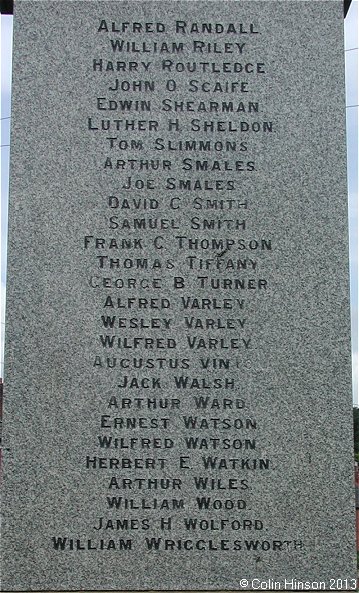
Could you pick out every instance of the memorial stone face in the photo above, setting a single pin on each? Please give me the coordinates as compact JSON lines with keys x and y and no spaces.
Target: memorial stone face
{"x":177,"y":392}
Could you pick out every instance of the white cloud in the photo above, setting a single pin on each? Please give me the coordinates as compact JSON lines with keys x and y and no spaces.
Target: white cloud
{"x":351,"y":26}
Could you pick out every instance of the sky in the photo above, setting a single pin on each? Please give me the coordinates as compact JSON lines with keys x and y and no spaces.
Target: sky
{"x":351,"y":63}
{"x":351,"y":58}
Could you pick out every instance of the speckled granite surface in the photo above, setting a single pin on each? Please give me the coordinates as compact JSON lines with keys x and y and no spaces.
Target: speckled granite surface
{"x":177,"y":409}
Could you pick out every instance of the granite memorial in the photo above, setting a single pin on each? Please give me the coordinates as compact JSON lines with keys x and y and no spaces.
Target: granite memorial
{"x":177,"y":409}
